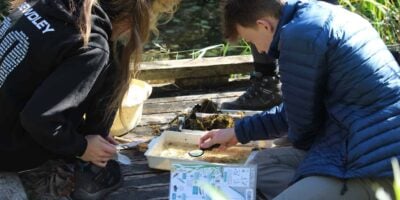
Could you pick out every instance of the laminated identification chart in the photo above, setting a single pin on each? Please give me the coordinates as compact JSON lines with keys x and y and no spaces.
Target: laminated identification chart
{"x":208,"y":181}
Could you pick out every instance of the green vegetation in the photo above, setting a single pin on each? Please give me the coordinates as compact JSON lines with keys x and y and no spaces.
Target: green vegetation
{"x":4,"y":7}
{"x":396,"y":172}
{"x":383,"y":14}
{"x":223,"y":49}
{"x":195,"y":29}
{"x":193,"y":32}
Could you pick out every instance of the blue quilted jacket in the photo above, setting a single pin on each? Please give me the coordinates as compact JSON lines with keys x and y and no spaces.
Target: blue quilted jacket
{"x":341,"y":93}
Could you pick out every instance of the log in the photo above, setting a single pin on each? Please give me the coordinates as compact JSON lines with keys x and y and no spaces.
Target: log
{"x":195,"y":68}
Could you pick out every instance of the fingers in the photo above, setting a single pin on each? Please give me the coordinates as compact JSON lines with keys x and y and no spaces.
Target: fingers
{"x":206,"y":140}
{"x":107,"y":146}
{"x":100,"y":150}
{"x":206,"y":136}
{"x":100,"y":163}
{"x":225,"y":137}
{"x":111,"y":140}
{"x":101,"y":160}
{"x":110,"y":149}
{"x":105,"y":156}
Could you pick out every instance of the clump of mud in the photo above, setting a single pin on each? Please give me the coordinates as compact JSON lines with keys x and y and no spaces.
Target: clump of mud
{"x":205,"y":106}
{"x":214,"y":121}
{"x":217,"y":121}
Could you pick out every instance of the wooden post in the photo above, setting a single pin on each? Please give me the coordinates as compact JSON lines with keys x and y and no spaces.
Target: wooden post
{"x":11,"y":187}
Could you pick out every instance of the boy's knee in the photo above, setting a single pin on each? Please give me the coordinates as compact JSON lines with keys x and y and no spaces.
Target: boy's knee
{"x":280,"y":155}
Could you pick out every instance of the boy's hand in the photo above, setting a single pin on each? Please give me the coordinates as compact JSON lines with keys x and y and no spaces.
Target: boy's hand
{"x":98,"y":150}
{"x":224,"y":137}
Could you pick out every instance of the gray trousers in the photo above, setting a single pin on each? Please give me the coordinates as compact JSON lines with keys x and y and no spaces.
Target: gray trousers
{"x":276,"y":169}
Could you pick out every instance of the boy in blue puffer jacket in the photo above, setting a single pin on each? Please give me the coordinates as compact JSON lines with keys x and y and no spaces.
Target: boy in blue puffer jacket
{"x":341,"y":101}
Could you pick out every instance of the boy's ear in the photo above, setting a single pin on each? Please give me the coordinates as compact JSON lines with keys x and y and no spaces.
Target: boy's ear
{"x":266,"y":23}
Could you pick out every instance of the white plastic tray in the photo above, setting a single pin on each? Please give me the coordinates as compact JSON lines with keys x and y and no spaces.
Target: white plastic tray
{"x":157,"y":144}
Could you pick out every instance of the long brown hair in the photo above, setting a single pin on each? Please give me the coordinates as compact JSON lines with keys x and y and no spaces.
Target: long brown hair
{"x":16,"y":3}
{"x":141,"y":17}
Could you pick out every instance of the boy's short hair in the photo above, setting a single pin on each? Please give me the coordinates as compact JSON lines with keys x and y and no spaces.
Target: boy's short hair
{"x":246,"y":13}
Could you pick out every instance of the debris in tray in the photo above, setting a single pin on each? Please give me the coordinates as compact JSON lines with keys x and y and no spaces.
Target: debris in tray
{"x":200,"y":152}
{"x":235,"y":154}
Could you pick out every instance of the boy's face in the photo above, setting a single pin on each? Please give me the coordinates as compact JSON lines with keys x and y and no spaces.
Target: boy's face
{"x":260,"y":35}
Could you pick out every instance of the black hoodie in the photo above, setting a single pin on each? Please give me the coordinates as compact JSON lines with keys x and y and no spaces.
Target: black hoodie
{"x":53,"y":90}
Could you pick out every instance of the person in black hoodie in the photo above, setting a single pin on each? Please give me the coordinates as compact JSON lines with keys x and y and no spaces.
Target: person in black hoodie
{"x":64,"y":68}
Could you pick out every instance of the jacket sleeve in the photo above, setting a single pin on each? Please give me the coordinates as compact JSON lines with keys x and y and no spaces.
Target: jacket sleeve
{"x":266,"y":125}
{"x":50,"y":116}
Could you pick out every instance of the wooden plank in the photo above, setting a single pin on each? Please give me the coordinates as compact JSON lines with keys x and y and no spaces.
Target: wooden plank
{"x":209,"y":81}
{"x":177,"y":106}
{"x":140,"y":181}
{"x":216,"y":95}
{"x":147,"y":180}
{"x":153,"y":193}
{"x":11,"y":187}
{"x":203,"y":67}
{"x":157,"y":118}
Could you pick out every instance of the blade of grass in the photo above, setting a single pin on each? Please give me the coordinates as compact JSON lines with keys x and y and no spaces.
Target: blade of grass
{"x":396,"y":173}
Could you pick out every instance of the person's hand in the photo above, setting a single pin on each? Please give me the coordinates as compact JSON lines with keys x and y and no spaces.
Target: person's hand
{"x":224,"y":137}
{"x":99,"y":150}
{"x":111,"y":140}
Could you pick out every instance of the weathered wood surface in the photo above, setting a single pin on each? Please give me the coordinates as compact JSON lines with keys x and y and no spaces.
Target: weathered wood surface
{"x":141,"y":182}
{"x":194,"y":68}
{"x":11,"y":187}
{"x":181,"y":103}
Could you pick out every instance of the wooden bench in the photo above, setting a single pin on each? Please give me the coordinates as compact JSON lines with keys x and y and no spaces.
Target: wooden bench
{"x":202,"y":71}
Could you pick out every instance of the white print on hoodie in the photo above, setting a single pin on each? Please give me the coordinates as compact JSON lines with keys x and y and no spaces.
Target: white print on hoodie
{"x":35,"y":18}
{"x":9,"y":59}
